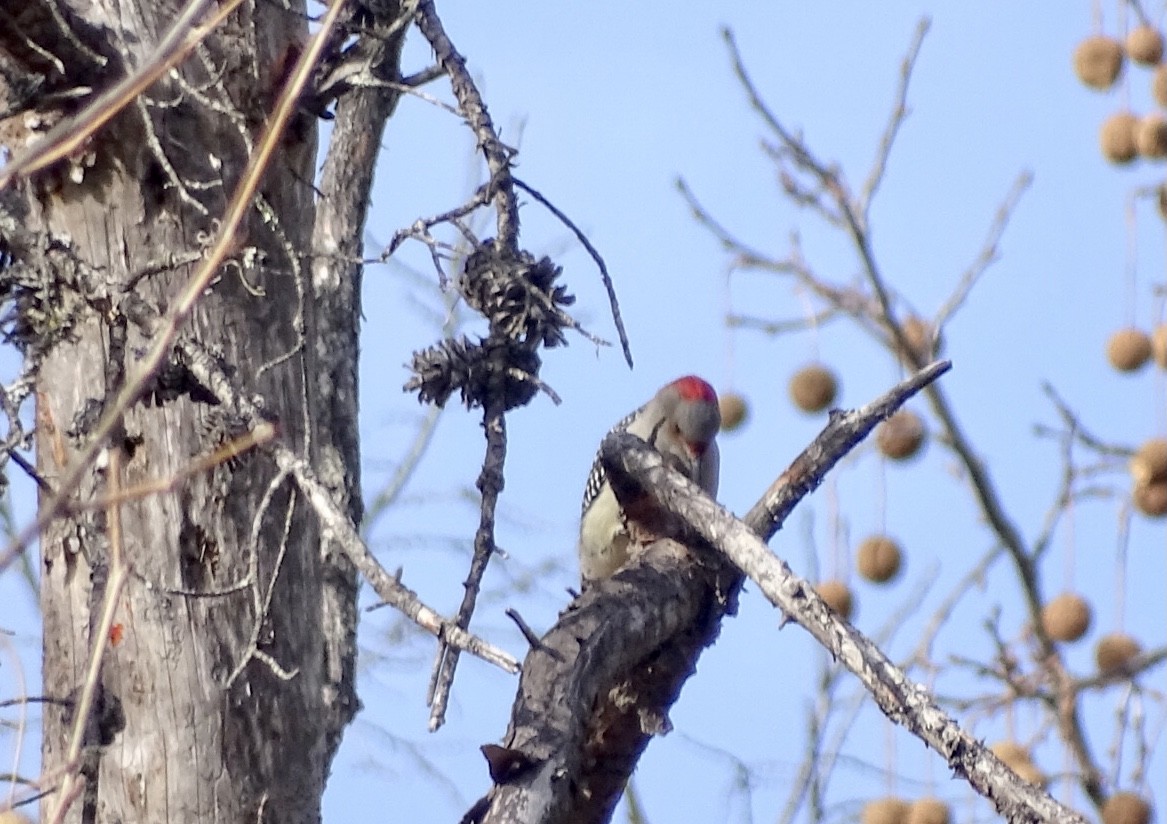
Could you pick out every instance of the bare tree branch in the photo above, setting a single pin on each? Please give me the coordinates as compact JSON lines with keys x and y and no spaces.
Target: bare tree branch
{"x":988,"y":254}
{"x":899,"y":112}
{"x":624,"y":647}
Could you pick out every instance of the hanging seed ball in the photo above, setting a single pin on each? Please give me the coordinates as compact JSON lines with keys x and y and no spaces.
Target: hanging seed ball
{"x":1151,"y":137}
{"x":1150,"y":461}
{"x":1151,"y":499}
{"x":813,"y":388}
{"x":1016,"y":758}
{"x":838,"y":597}
{"x":929,"y":811}
{"x":1066,"y":618}
{"x":734,"y":411}
{"x":1144,"y":44}
{"x":1126,"y":808}
{"x":1128,"y":349}
{"x":1012,"y":753}
{"x":1028,"y":771}
{"x":1117,"y":137}
{"x":922,"y":338}
{"x":885,"y":811}
{"x":878,"y":559}
{"x":1114,"y":652}
{"x":1098,"y":61}
{"x":1159,"y":333}
{"x":900,"y":436}
{"x":1159,"y":85}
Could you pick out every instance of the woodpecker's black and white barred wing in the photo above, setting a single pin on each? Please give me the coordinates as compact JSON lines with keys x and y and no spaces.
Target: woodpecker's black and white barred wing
{"x":597,"y":476}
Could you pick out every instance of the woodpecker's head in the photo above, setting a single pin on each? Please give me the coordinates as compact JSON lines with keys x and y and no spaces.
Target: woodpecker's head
{"x":691,"y":414}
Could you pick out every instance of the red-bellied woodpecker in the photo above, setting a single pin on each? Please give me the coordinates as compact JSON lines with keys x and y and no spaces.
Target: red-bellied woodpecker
{"x":680,"y":422}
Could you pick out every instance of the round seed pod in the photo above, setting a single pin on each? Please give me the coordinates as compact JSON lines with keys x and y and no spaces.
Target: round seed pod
{"x":1159,"y":333}
{"x":1114,"y":652}
{"x":734,"y":411}
{"x":878,"y":559}
{"x":1016,"y":758}
{"x":1117,"y":137}
{"x":1126,"y":808}
{"x":929,"y":811}
{"x":1028,"y":771}
{"x":888,"y":810}
{"x":1151,"y":137}
{"x":1128,"y":349}
{"x":1098,"y":61}
{"x":922,"y":338}
{"x":1012,"y":753}
{"x":838,"y":597}
{"x":1144,"y":45}
{"x":1149,"y":463}
{"x":1066,"y":618}
{"x":813,"y":388}
{"x":900,"y":436}
{"x":1159,"y":85}
{"x":1151,"y":499}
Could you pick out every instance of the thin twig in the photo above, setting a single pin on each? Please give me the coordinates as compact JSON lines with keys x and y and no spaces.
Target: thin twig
{"x":782,"y":327}
{"x":532,"y":637}
{"x":609,"y":287}
{"x":490,"y":484}
{"x":1078,"y":431}
{"x":496,"y":153}
{"x":419,"y":229}
{"x":899,"y":112}
{"x":988,"y":254}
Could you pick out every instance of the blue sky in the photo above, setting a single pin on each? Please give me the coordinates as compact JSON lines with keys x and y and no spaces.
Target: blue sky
{"x":610,"y":103}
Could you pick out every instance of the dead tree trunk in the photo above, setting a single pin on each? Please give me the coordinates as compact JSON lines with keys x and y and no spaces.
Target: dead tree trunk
{"x":227,"y":677}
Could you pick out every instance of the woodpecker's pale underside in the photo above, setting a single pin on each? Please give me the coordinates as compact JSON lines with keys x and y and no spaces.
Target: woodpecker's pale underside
{"x":680,"y":422}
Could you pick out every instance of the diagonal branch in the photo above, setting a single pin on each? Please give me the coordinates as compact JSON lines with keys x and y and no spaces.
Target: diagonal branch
{"x":600,"y":683}
{"x":334,"y":519}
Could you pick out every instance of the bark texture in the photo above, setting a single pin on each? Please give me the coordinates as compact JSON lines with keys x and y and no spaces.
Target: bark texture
{"x":229,"y":675}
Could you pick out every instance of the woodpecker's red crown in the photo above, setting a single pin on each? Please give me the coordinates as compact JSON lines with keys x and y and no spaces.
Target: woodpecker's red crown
{"x":693,"y":388}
